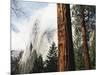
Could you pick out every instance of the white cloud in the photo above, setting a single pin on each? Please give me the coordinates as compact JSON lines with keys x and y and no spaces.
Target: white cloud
{"x":48,"y":19}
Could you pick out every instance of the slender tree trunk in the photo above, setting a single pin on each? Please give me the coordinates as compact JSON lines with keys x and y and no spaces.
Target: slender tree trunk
{"x":85,"y":45}
{"x":65,"y":45}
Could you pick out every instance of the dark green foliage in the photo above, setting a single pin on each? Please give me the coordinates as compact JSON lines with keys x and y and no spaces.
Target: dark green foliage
{"x":77,"y":37}
{"x":51,"y":61}
{"x":90,"y":23}
{"x":92,"y":51}
{"x":38,"y":64}
{"x":50,"y":64}
{"x":15,"y":58}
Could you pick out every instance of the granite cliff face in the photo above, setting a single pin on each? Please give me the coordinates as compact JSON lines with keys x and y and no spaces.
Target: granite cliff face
{"x":15,"y":57}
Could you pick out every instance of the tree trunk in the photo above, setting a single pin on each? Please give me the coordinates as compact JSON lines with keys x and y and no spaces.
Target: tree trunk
{"x":71,"y":64}
{"x":85,"y":45}
{"x":65,"y":45}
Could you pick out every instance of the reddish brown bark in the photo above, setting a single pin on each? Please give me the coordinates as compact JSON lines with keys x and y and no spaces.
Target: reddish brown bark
{"x":85,"y":45}
{"x":61,"y":37}
{"x":65,"y":45}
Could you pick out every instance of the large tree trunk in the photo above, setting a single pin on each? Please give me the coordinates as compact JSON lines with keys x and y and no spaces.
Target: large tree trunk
{"x":71,"y":65}
{"x":65,"y":45}
{"x":61,"y":38}
{"x":84,"y":38}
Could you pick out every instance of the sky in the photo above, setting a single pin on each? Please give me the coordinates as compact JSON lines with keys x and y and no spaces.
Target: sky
{"x":21,"y":26}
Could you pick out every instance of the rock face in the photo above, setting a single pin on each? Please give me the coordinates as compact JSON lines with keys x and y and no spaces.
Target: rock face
{"x":15,"y":57}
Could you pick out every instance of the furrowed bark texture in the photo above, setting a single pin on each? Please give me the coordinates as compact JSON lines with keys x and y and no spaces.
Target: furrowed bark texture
{"x":65,"y":44}
{"x":84,"y":39}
